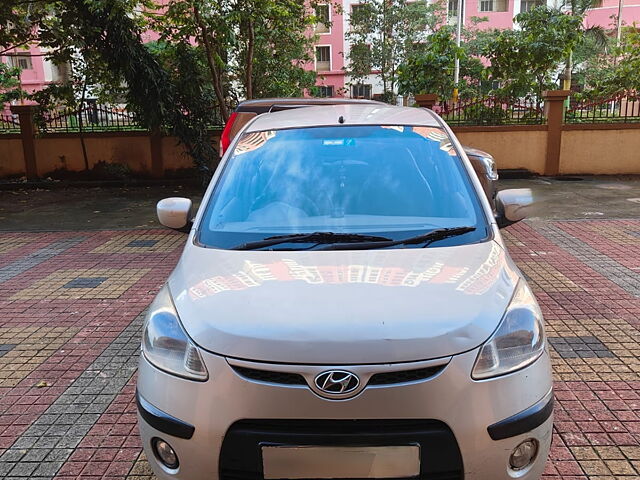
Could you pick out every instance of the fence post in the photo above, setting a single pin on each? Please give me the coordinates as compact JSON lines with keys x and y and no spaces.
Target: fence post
{"x":554,"y":111}
{"x":27,"y":132}
{"x":426,"y":100}
{"x":157,"y":160}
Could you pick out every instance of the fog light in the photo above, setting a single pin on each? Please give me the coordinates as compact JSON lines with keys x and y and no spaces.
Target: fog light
{"x":165,"y":453}
{"x":524,"y":454}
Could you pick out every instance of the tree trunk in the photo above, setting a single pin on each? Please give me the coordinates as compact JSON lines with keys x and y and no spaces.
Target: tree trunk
{"x":567,"y":72}
{"x":250,"y":48}
{"x":216,"y":77}
{"x":80,"y":130}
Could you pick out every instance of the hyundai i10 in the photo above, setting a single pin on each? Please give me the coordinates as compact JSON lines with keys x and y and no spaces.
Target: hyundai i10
{"x":345,"y":308}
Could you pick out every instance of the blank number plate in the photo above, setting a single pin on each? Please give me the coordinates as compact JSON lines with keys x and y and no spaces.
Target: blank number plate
{"x":297,"y":462}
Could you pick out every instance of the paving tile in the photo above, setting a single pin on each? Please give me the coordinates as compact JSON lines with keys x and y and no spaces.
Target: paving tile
{"x":580,"y":347}
{"x":91,"y":283}
{"x":135,"y":242}
{"x":33,"y":259}
{"x":71,"y":315}
{"x":107,"y":370}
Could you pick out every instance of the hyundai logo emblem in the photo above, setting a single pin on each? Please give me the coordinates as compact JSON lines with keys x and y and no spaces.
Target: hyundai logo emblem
{"x":337,"y":382}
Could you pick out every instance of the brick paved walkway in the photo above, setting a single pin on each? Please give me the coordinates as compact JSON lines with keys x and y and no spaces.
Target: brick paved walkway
{"x":71,"y":307}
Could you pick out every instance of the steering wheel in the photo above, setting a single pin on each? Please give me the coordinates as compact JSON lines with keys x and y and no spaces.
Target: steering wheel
{"x":299,"y":200}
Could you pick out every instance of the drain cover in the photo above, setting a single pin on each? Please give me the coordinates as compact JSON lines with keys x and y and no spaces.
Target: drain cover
{"x":568,"y":179}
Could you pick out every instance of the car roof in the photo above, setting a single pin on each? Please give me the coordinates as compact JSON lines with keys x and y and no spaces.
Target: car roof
{"x":263,"y":105}
{"x":351,"y":114}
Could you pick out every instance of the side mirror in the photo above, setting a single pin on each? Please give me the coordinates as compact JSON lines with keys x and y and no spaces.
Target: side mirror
{"x":174,"y":212}
{"x":513,"y":205}
{"x":485,"y":167}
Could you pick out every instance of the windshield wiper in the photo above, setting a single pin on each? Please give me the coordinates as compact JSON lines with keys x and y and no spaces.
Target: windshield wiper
{"x":315,"y":237}
{"x":426,"y":239}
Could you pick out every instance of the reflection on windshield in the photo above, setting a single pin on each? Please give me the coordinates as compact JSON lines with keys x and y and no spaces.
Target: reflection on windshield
{"x":252,"y":141}
{"x":347,"y":179}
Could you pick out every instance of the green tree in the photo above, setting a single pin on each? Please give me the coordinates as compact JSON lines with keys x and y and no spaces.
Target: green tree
{"x":10,"y":83}
{"x":618,"y":71}
{"x":105,"y":36}
{"x":588,"y":58}
{"x":384,"y":33}
{"x":429,"y":68}
{"x":524,"y":60}
{"x":594,"y":39}
{"x":261,"y":46}
{"x":273,"y":48}
{"x":209,"y":55}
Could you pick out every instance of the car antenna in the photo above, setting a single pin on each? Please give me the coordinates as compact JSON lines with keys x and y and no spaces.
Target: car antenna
{"x":341,"y":119}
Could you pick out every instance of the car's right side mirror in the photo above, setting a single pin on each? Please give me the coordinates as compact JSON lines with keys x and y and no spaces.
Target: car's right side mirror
{"x":175,"y":212}
{"x":513,"y":205}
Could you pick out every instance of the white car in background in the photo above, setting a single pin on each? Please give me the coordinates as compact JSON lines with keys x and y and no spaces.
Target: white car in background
{"x":345,"y":307}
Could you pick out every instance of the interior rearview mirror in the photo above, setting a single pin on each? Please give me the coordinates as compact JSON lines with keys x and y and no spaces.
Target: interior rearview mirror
{"x":513,"y":205}
{"x":174,"y":212}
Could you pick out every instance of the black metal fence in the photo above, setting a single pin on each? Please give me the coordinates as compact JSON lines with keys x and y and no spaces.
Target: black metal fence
{"x":623,"y":107}
{"x":9,"y":123}
{"x":487,"y":111}
{"x":493,"y":111}
{"x":98,"y":118}
{"x":90,"y":118}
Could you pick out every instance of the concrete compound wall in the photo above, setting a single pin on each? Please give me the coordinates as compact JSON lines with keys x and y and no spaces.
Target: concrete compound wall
{"x":64,"y":151}
{"x":11,"y":157}
{"x":604,"y":151}
{"x":584,"y":149}
{"x":520,"y":149}
{"x":55,"y":153}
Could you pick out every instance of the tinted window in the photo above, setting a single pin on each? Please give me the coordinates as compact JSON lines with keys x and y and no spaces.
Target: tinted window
{"x":396,"y":180}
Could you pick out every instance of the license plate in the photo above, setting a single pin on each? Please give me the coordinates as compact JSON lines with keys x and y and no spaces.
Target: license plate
{"x":304,"y":462}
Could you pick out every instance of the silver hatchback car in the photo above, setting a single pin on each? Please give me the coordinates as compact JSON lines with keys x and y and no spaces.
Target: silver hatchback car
{"x":345,"y":307}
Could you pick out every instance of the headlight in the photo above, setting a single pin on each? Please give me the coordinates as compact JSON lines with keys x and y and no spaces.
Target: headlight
{"x":518,"y":341}
{"x":165,"y":343}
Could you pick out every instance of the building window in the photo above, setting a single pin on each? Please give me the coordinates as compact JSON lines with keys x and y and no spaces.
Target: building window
{"x":452,"y":8}
{"x":61,"y":73}
{"x":361,"y":90}
{"x":323,"y":17}
{"x":493,"y":5}
{"x":527,"y":5}
{"x":357,"y":9}
{"x":323,"y":59}
{"x":325,"y":91}
{"x":486,"y":5}
{"x":21,"y":61}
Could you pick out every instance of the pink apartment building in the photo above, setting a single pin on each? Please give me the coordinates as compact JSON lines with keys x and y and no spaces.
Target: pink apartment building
{"x":329,"y":51}
{"x":36,"y":71}
{"x":331,"y":47}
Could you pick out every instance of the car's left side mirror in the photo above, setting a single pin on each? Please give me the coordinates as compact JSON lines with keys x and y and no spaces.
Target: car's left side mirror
{"x":513,"y":205}
{"x":175,"y":212}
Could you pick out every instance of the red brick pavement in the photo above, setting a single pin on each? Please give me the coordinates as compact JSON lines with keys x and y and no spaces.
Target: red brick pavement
{"x":582,"y":273}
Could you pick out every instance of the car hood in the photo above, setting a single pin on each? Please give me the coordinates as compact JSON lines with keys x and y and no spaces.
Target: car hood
{"x":342,"y":307}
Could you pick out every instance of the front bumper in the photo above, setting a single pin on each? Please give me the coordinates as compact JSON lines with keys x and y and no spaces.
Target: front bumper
{"x":485,"y":418}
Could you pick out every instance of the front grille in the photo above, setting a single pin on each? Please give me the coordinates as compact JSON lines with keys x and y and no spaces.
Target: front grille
{"x":241,"y":454}
{"x":404,"y":376}
{"x":385,"y":378}
{"x":283,"y":378}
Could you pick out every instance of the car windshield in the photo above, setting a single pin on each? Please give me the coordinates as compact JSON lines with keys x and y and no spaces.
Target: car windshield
{"x":390,"y":181}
